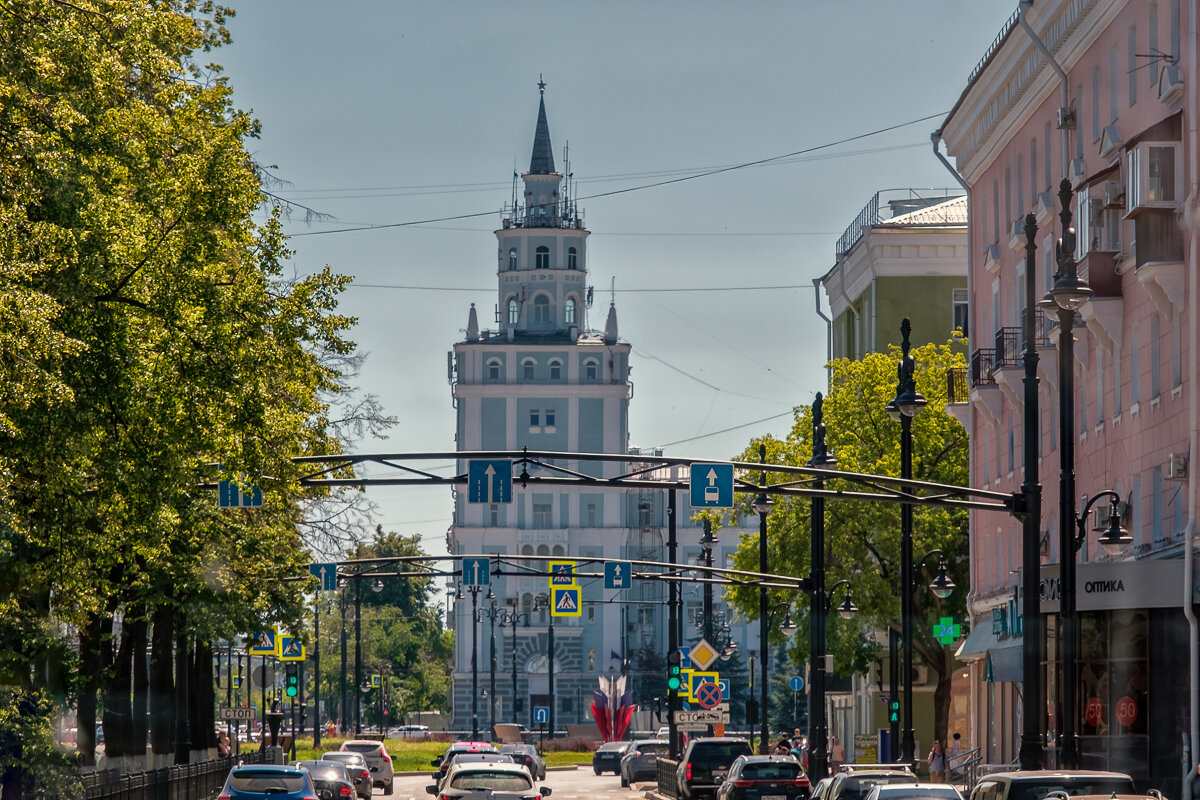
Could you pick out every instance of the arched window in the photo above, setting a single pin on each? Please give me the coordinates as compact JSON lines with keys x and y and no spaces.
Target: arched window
{"x":572,"y":258}
{"x":559,"y":551}
{"x":512,"y":258}
{"x":541,"y":309}
{"x":527,"y":602}
{"x":514,"y":311}
{"x":527,"y":369}
{"x":569,"y":311}
{"x":493,"y":369}
{"x":543,"y":257}
{"x":543,"y":550}
{"x":555,"y":370}
{"x":527,"y":550}
{"x":591,"y":369}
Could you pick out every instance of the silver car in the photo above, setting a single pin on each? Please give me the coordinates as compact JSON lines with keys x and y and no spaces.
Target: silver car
{"x":378,"y":761}
{"x":640,"y":762}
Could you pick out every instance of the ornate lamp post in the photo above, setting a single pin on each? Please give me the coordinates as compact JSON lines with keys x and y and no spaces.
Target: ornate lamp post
{"x":762,"y":504}
{"x":491,"y":614}
{"x":818,"y":729}
{"x":512,"y":617}
{"x":542,"y":601}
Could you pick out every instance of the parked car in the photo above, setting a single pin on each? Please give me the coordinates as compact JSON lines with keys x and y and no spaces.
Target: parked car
{"x":487,"y":782}
{"x":705,"y":763}
{"x":763,"y":777}
{"x":329,"y":778}
{"x":442,"y":762}
{"x":854,"y":781}
{"x":412,"y":732}
{"x":356,"y":766}
{"x":607,"y":757}
{"x":529,"y":755}
{"x":914,"y":791}
{"x":1036,"y":784}
{"x":822,"y":788}
{"x":255,"y":781}
{"x":640,"y":762}
{"x":378,"y":761}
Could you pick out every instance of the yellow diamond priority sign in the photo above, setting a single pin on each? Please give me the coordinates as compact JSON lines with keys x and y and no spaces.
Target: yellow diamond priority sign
{"x":703,"y":654}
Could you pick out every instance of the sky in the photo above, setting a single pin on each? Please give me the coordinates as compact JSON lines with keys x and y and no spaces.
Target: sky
{"x":385,"y":113}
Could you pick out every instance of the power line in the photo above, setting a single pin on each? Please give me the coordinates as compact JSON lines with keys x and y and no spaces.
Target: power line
{"x":643,"y":187}
{"x":672,"y":290}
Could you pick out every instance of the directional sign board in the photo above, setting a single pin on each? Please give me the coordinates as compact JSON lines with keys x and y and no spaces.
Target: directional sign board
{"x":797,"y":683}
{"x":618,"y":574}
{"x":562,"y":573}
{"x":290,"y":649}
{"x":566,"y":601}
{"x":230,"y":495}
{"x":327,"y":573}
{"x":489,"y":481}
{"x":711,"y":485}
{"x":238,"y":713}
{"x":704,"y":716}
{"x":262,"y":643}
{"x":541,"y":715}
{"x":476,"y":571}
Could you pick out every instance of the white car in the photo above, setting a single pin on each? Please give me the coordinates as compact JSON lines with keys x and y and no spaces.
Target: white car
{"x":378,"y":761}
{"x":914,"y":791}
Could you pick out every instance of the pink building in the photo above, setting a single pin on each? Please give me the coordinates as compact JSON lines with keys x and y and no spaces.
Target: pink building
{"x":1102,"y":94}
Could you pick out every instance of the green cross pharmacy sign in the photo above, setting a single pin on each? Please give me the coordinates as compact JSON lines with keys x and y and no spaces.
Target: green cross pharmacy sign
{"x":946,"y":630}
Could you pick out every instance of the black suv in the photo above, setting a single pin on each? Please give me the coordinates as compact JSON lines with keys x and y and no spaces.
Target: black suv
{"x":705,"y":763}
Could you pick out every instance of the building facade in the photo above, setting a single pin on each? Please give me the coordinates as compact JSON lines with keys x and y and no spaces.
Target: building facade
{"x":1101,"y":94}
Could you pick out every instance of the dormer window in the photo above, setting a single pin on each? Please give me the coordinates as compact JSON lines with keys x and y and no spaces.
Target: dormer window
{"x":514,"y":311}
{"x":572,"y":258}
{"x":541,"y":309}
{"x":569,"y":311}
{"x":512,"y":258}
{"x":542,"y":257}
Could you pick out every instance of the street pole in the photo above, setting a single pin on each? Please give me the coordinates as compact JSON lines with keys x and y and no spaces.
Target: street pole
{"x":474,"y":663}
{"x":317,"y":672}
{"x":492,"y":612}
{"x":762,"y":504}
{"x":357,"y":654}
{"x":1033,"y":704}
{"x":706,"y":545}
{"x":343,"y":713}
{"x":550,"y":653}
{"x":673,"y":613}
{"x":893,"y":692}
{"x":513,"y":617}
{"x":818,"y":731}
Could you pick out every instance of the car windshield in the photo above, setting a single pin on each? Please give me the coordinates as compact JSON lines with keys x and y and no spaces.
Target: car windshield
{"x":266,"y":781}
{"x":775,"y":770}
{"x":718,"y":754}
{"x":495,"y":781}
{"x":1036,"y":791}
{"x":325,"y":772}
{"x":653,"y":749}
{"x":362,"y":747}
{"x":609,"y":746}
{"x":857,"y":788}
{"x":345,"y":757}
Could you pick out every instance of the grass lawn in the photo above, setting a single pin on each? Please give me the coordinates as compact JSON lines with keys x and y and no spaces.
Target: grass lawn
{"x":410,"y":756}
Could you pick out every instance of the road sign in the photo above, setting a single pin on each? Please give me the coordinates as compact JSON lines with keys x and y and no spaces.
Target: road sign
{"x":376,"y":681}
{"x":230,"y":495}
{"x":290,"y":649}
{"x":566,"y":601}
{"x":237,"y":713}
{"x":686,"y":661}
{"x":708,"y":695}
{"x":327,"y":574}
{"x":797,"y":683}
{"x":724,"y":684}
{"x":541,"y":715}
{"x":690,"y":727}
{"x":262,"y":643}
{"x":562,"y":573}
{"x":618,"y":574}
{"x":696,"y":677}
{"x":262,"y":676}
{"x":489,"y":481}
{"x":706,"y":716}
{"x":703,"y":654}
{"x":476,"y":571}
{"x":711,"y":485}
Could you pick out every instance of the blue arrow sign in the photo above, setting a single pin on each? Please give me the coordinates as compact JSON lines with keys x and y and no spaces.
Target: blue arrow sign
{"x":686,"y":663}
{"x":797,"y":683}
{"x":230,"y":495}
{"x":618,"y":574}
{"x":489,"y":481}
{"x":711,"y":485}
{"x":541,"y":715}
{"x":724,"y":684}
{"x":328,"y":575}
{"x":476,"y":571}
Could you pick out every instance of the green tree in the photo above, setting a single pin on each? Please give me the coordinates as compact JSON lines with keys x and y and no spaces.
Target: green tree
{"x":862,"y":538}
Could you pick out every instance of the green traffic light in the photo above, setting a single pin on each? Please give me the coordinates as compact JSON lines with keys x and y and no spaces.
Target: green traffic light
{"x":673,"y":683}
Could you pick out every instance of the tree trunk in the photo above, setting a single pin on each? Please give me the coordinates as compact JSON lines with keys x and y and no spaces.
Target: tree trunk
{"x":162,"y":686}
{"x":942,"y":696}
{"x":117,"y":722}
{"x":204,"y":736}
{"x":138,"y":628}
{"x":91,"y":665}
{"x":182,"y":713}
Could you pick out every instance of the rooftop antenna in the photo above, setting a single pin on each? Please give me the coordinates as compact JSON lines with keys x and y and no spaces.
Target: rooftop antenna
{"x":613,"y":291}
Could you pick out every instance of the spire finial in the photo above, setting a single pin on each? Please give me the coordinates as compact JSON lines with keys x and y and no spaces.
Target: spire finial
{"x":541,"y":84}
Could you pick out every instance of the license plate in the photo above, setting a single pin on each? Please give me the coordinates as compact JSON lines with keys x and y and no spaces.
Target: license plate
{"x":774,"y":797}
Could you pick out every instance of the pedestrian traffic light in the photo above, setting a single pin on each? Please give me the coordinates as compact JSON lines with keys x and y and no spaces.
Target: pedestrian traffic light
{"x":894,"y":713}
{"x":292,"y":683}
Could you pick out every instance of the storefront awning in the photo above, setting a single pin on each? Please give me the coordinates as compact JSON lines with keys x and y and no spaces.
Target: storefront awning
{"x":976,"y":645}
{"x":1004,"y":664}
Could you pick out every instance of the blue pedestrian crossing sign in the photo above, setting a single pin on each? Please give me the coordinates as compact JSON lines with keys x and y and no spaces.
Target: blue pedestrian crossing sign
{"x":489,"y":481}
{"x":566,"y":601}
{"x":711,"y":485}
{"x":262,"y":643}
{"x":290,"y":649}
{"x":618,"y":574}
{"x":327,"y":573}
{"x":476,"y":571}
{"x":797,"y":683}
{"x":562,"y":573}
{"x":230,"y":495}
{"x":541,"y":715}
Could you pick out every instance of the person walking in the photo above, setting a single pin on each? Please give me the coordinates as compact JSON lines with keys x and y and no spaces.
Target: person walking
{"x":954,"y":762}
{"x":937,"y":763}
{"x":837,"y":755}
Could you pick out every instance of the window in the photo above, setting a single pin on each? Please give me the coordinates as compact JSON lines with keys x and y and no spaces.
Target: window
{"x":1156,"y":498}
{"x":1114,"y":84}
{"x":541,"y":309}
{"x":591,"y":650}
{"x":493,"y":369}
{"x":1133,"y":65}
{"x":572,"y":258}
{"x":1175,"y":51}
{"x":1177,"y":350}
{"x":542,"y":256}
{"x":535,"y":418}
{"x":1095,"y":103}
{"x":1099,"y":354}
{"x":514,"y":311}
{"x":512,"y":258}
{"x":590,"y":515}
{"x":1116,"y":381}
{"x":527,"y":369}
{"x":541,"y":515}
{"x":556,"y":370}
{"x":960,"y":300}
{"x":493,"y":515}
{"x":550,"y":417}
{"x":1046,"y":148}
{"x":995,"y":210}
{"x":1155,"y":359}
{"x":591,"y":370}
{"x":569,"y":311}
{"x":1008,"y":196}
{"x":1154,"y":175}
{"x":1033,"y":171}
{"x":1135,"y":375}
{"x":1020,"y":185}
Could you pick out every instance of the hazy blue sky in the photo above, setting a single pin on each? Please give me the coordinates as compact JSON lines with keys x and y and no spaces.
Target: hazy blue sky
{"x":390,"y":112}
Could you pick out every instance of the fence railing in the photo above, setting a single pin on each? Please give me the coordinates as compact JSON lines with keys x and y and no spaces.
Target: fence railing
{"x":983,"y":366}
{"x":964,"y":769}
{"x":666,"y":776}
{"x":957,"y":388}
{"x":199,"y":781}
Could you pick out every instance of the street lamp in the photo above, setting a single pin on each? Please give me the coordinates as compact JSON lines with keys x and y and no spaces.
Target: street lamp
{"x":818,"y":753}
{"x":512,"y":617}
{"x":542,"y":603}
{"x":474,"y":589}
{"x":491,"y":614}
{"x":907,"y":402}
{"x":762,"y":504}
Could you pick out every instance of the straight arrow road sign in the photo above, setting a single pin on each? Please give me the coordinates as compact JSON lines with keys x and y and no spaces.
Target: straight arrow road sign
{"x":489,"y":481}
{"x":618,"y":574}
{"x":328,"y":575}
{"x":711,"y":485}
{"x":476,"y":571}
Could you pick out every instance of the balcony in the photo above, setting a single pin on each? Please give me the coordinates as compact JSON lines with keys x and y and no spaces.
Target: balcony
{"x":1007,"y":352}
{"x":983,"y":367}
{"x":957,"y":388}
{"x":1099,"y":269}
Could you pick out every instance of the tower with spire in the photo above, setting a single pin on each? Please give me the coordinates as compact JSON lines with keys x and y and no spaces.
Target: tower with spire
{"x":541,"y":378}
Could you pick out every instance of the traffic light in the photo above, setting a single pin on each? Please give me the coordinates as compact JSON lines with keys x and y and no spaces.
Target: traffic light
{"x":674,"y":670}
{"x":291,"y":685}
{"x":894,"y":712}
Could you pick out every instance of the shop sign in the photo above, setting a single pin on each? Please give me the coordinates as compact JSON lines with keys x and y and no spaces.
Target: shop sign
{"x":1127,"y":711}
{"x":1094,"y":714}
{"x":999,"y":621}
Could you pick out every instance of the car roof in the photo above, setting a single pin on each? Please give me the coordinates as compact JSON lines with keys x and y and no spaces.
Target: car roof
{"x":901,"y":788}
{"x":489,"y":766}
{"x":767,"y":759}
{"x":850,"y":768}
{"x":1043,"y":774}
{"x":640,"y":742}
{"x":362,"y":741}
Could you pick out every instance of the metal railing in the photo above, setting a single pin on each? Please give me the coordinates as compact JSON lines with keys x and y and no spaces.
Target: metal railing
{"x":957,"y":388}
{"x":666,"y":776}
{"x":964,"y":769}
{"x":868,"y":216}
{"x":1008,"y":347}
{"x":200,"y":781}
{"x":983,"y":365}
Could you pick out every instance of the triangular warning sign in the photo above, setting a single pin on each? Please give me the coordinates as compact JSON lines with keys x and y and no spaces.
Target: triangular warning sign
{"x":292,"y":649}
{"x":566,"y":602}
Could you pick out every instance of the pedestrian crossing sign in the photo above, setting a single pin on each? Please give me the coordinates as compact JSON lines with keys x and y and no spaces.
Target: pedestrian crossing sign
{"x":263,"y":643}
{"x":566,"y":601}
{"x":290,"y":649}
{"x":562,"y":573}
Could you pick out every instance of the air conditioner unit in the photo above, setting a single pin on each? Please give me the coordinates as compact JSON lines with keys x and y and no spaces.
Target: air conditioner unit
{"x":1103,"y":515}
{"x":1114,"y":194}
{"x":1177,"y":464}
{"x":920,"y":674}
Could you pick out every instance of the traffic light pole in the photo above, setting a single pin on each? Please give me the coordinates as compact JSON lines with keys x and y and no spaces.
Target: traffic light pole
{"x":673,"y":654}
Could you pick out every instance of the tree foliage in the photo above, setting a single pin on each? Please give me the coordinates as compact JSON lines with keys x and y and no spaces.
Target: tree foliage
{"x":863,"y":538}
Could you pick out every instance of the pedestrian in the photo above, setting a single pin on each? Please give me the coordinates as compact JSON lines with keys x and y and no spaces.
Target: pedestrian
{"x":223,"y":744}
{"x":784,"y":748}
{"x":937,"y":763}
{"x":954,"y":763}
{"x":837,"y":755}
